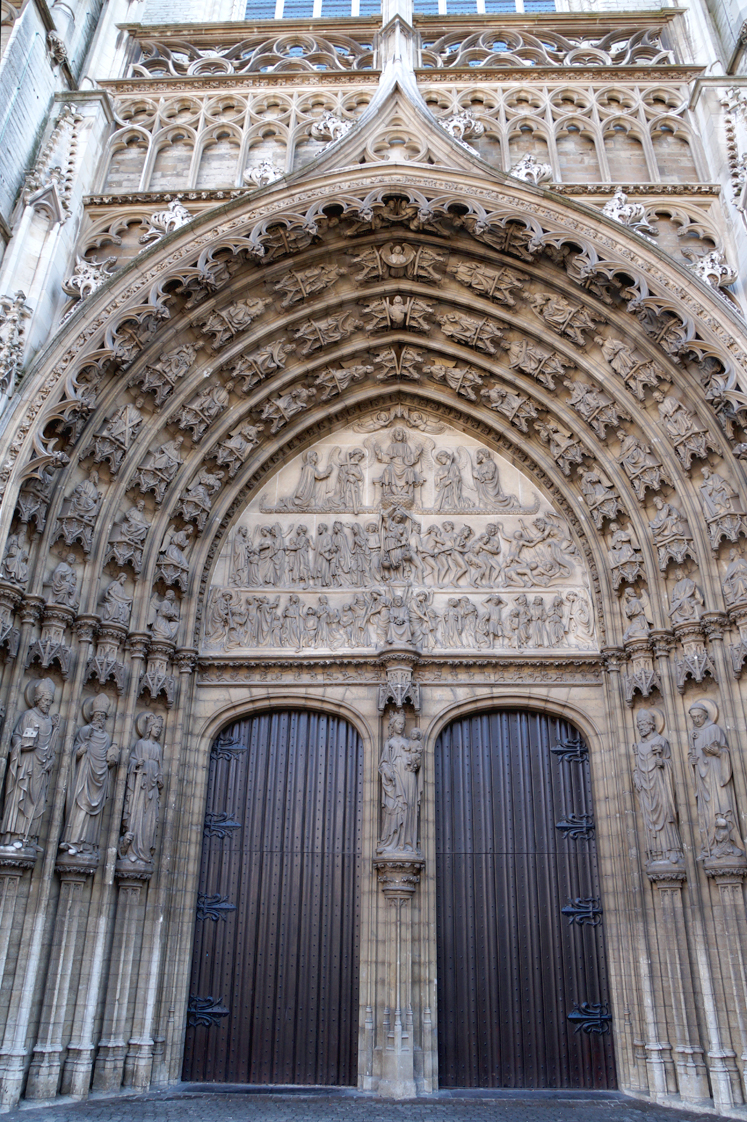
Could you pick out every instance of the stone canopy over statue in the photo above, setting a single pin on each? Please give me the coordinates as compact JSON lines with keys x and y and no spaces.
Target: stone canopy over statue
{"x":399,"y":533}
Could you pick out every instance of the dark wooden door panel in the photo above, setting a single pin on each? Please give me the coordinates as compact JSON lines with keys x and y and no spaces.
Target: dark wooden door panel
{"x":274,"y":987}
{"x":515,"y":845}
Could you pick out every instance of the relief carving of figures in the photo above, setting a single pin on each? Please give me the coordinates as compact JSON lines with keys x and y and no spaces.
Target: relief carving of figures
{"x":63,"y":583}
{"x":34,"y":496}
{"x":398,"y":260}
{"x":116,"y":437}
{"x":224,"y":323}
{"x":624,"y":556}
{"x":164,"y":222}
{"x":580,"y":620}
{"x":496,"y":284}
{"x":198,"y":414}
{"x":462,"y":379}
{"x":720,"y":502}
{"x":279,"y":410}
{"x":538,"y":363}
{"x":234,"y":450}
{"x":672,"y":536}
{"x":94,"y":755}
{"x":564,"y":448}
{"x":714,"y":788}
{"x":564,"y":316}
{"x":401,"y":759}
{"x":635,"y":611}
{"x":482,"y":333}
{"x":348,"y":492}
{"x":298,"y":284}
{"x":595,"y":407}
{"x":399,"y":414}
{"x":144,"y":785}
{"x":487,"y":480}
{"x":79,"y":513}
{"x":127,"y":539}
{"x":334,"y":381}
{"x":254,"y":368}
{"x":635,"y":372}
{"x":164,"y":618}
{"x":640,"y":465}
{"x":518,"y":409}
{"x":161,"y":377}
{"x":654,"y":783}
{"x":448,"y":482}
{"x":32,"y":751}
{"x":687,"y":599}
{"x":400,"y":476}
{"x":173,"y":566}
{"x":734,"y":583}
{"x":690,"y":439}
{"x":401,"y":362}
{"x":15,"y":566}
{"x":159,"y":468}
{"x":197,"y":500}
{"x":117,"y":604}
{"x":317,"y":333}
{"x":599,"y":497}
{"x":397,"y":313}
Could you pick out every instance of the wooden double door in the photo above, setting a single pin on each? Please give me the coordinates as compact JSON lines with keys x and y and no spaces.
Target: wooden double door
{"x":522,"y":980}
{"x":274,"y":985}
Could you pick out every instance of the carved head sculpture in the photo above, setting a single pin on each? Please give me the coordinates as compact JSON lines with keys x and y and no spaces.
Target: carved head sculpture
{"x":658,"y":502}
{"x":649,"y":721}
{"x":149,"y":726}
{"x":140,"y":505}
{"x":703,"y":712}
{"x":70,"y":559}
{"x":397,"y":723}
{"x":42,"y":695}
{"x":399,"y":436}
{"x":94,"y":477}
{"x":355,"y":455}
{"x":96,"y":710}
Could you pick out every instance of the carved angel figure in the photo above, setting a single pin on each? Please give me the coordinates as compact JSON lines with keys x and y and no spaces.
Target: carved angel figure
{"x":564,"y":316}
{"x":689,"y":438}
{"x":255,"y":367}
{"x":480,"y":332}
{"x":710,"y":758}
{"x":117,"y":604}
{"x":34,"y":496}
{"x":717,"y":494}
{"x":654,"y":784}
{"x":127,"y":538}
{"x":564,"y":448}
{"x":116,"y":437}
{"x":144,"y":785}
{"x":487,"y":482}
{"x":397,"y":313}
{"x":640,"y":465}
{"x":161,"y":376}
{"x":635,"y":372}
{"x":79,"y":512}
{"x":671,"y":534}
{"x":348,"y":492}
{"x":448,"y":483}
{"x":279,"y":410}
{"x":234,"y":450}
{"x":595,"y":407}
{"x":94,"y":755}
{"x":198,"y":414}
{"x":399,"y":766}
{"x":173,"y":566}
{"x":224,"y":323}
{"x":159,"y":468}
{"x":462,"y":379}
{"x":516,"y":407}
{"x":318,"y":333}
{"x":398,"y":363}
{"x":624,"y":556}
{"x":164,"y":617}
{"x":543,"y":365}
{"x":334,"y":381}
{"x":297,"y":284}
{"x":32,"y":750}
{"x":197,"y":501}
{"x":599,"y":496}
{"x":493,"y":283}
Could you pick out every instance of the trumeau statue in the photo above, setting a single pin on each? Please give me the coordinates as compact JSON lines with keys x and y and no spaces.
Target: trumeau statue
{"x":93,"y":755}
{"x":714,"y":789}
{"x":654,"y":784}
{"x":360,"y":552}
{"x":32,"y":751}
{"x":142,"y":797}
{"x":399,"y":768}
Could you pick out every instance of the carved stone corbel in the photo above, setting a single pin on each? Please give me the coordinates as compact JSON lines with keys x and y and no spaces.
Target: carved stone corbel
{"x":642,"y":677}
{"x":10,"y":635}
{"x":156,"y":678}
{"x":738,"y":616}
{"x":695,"y":662}
{"x":106,"y":663}
{"x":51,"y":646}
{"x":399,"y":689}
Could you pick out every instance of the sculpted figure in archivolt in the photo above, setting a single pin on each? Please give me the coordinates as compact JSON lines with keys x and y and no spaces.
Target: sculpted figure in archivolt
{"x":32,"y":748}
{"x":144,"y":785}
{"x":400,"y":763}
{"x":654,"y":782}
{"x":94,"y":755}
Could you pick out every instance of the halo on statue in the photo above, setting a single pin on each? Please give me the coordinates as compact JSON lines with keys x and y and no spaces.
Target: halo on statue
{"x":142,"y":720}
{"x":706,"y":703}
{"x":658,"y":718}
{"x":33,"y":686}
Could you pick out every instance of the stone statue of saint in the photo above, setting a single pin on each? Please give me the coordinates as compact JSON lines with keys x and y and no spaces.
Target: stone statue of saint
{"x":735,"y":579}
{"x":32,"y":750}
{"x":64,"y":583}
{"x":117,"y":604}
{"x":714,"y":790}
{"x":399,"y":767}
{"x":654,"y":783}
{"x":94,"y":755}
{"x":144,"y":785}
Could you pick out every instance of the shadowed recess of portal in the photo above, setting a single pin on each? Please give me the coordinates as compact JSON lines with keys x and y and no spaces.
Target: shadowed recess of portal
{"x":522,"y":980}
{"x":274,"y":986}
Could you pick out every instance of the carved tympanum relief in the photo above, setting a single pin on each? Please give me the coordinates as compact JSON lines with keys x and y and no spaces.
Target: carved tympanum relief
{"x":400,"y":534}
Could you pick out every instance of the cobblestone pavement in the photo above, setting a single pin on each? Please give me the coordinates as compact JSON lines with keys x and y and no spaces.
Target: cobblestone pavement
{"x":181,"y":1106}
